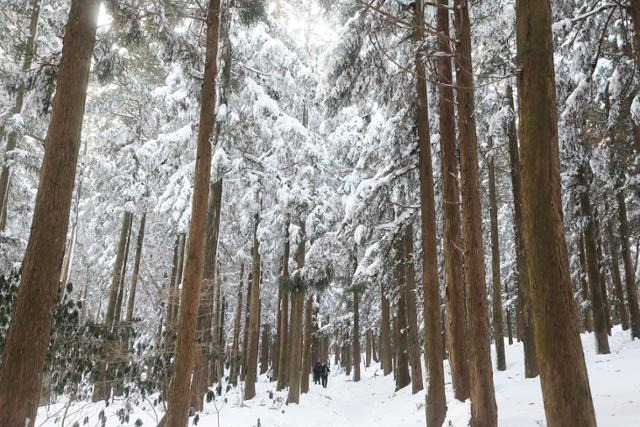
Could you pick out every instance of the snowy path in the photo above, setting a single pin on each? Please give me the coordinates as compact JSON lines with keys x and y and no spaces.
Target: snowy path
{"x":614,"y":378}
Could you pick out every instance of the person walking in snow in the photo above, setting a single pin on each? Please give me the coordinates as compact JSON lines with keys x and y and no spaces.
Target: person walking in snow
{"x":316,"y":373}
{"x":324,"y":374}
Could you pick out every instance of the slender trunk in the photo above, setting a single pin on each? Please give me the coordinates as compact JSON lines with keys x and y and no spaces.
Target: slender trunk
{"x":264,"y":349}
{"x":275,"y":352}
{"x":254,"y":319}
{"x":356,"y":337}
{"x":175,"y":297}
{"x":234,"y":357}
{"x":178,"y":401}
{"x":247,"y":319}
{"x":123,"y":275}
{"x":306,"y":345}
{"x":586,"y":294}
{"x":385,"y":333}
{"x":614,"y":265}
{"x":283,"y":327}
{"x":295,"y":339}
{"x":12,"y":137}
{"x":483,"y":407}
{"x":593,"y":274}
{"x":563,"y":373}
{"x":601,"y":273}
{"x":412,"y":313}
{"x":629,"y":270}
{"x":401,"y":345}
{"x":525,"y":315}
{"x":455,"y":293}
{"x":368,"y":348}
{"x":498,"y":333}
{"x":136,"y":268}
{"x":30,"y":328}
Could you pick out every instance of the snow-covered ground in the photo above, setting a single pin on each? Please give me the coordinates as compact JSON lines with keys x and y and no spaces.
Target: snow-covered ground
{"x":614,"y":378}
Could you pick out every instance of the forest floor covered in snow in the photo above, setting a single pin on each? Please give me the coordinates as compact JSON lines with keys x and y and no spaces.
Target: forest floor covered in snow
{"x":614,"y":379}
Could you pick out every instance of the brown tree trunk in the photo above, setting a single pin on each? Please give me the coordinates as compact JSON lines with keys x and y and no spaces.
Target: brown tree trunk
{"x":136,"y":268}
{"x":603,"y":279}
{"x":12,"y":137}
{"x":454,"y":291}
{"x":563,"y":374}
{"x":234,"y":357}
{"x":584,"y":285}
{"x":385,"y":333}
{"x":175,"y":297}
{"x":629,"y":270}
{"x":498,"y":333}
{"x":614,"y":265}
{"x":412,"y":313}
{"x":275,"y":352}
{"x":593,"y":274}
{"x":254,"y":320}
{"x":247,"y":319}
{"x":483,"y":407}
{"x":356,"y":337}
{"x":525,"y":315}
{"x":123,"y":275}
{"x":178,"y":399}
{"x":306,"y":345}
{"x":401,"y":345}
{"x":368,"y":349}
{"x":295,"y":339}
{"x":433,"y":345}
{"x":264,"y":349}
{"x":30,"y":328}
{"x":283,"y":326}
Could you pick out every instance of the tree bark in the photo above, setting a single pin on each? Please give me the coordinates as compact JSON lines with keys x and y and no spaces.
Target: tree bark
{"x":614,"y":264}
{"x":123,"y":275}
{"x":483,"y":407}
{"x":235,"y":345}
{"x":584,"y":285}
{"x":178,"y":401}
{"x":563,"y":374}
{"x":385,"y":333}
{"x":264,"y":349}
{"x":30,"y":328}
{"x":306,"y":345}
{"x":454,"y":284}
{"x":498,"y":333}
{"x":283,"y":328}
{"x":401,"y":345}
{"x":412,"y":313}
{"x":356,"y":337}
{"x":525,"y":315}
{"x":136,"y":269}
{"x":593,"y":273}
{"x":12,"y":138}
{"x":629,"y":270}
{"x":368,"y":348}
{"x":254,"y":319}
{"x":295,"y":347}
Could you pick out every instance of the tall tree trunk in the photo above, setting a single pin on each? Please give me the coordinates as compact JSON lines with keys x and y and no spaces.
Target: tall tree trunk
{"x":498,"y":333}
{"x":275,"y":352}
{"x":614,"y":265}
{"x":601,"y":272}
{"x":136,"y":268}
{"x":401,"y":345}
{"x":629,"y":270}
{"x":385,"y":333}
{"x":12,"y":137}
{"x":30,"y":328}
{"x":123,"y":275}
{"x":264,"y":349}
{"x":525,"y":314}
{"x":563,"y":374}
{"x":454,"y":293}
{"x":178,"y":401}
{"x":356,"y":336}
{"x":254,"y":319}
{"x":295,"y":338}
{"x":584,"y":286}
{"x":412,"y":313}
{"x":483,"y":407}
{"x":283,"y":328}
{"x":593,"y":273}
{"x":175,"y":297}
{"x":368,"y":348}
{"x":247,"y":319}
{"x":433,"y":345}
{"x":234,"y":357}
{"x":306,"y":342}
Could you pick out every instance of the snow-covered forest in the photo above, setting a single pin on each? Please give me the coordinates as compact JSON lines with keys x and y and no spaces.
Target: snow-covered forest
{"x":209,"y":208}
